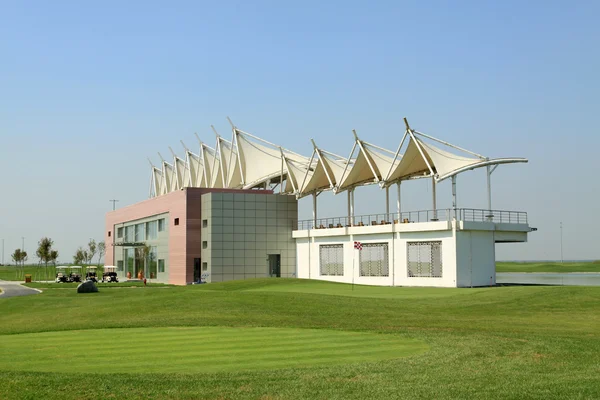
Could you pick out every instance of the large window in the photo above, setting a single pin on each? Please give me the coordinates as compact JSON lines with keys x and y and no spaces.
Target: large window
{"x":140,"y":232}
{"x":120,"y":265}
{"x":129,"y":233}
{"x":374,"y":260}
{"x":130,"y":260}
{"x":152,"y":262}
{"x":161,"y":265}
{"x":331,"y":259}
{"x":425,"y":259}
{"x":151,"y":230}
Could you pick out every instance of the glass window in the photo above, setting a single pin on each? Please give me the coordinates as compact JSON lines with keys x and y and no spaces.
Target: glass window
{"x":129,"y":233}
{"x":425,"y":259}
{"x":161,"y":265}
{"x":140,"y":232}
{"x":205,"y":244}
{"x":205,"y":223}
{"x":119,"y":233}
{"x":161,"y":225}
{"x":176,"y":222}
{"x":331,"y":259}
{"x":152,"y":262}
{"x":204,"y":266}
{"x":374,"y":260}
{"x":151,"y":230}
{"x":120,"y":265}
{"x":130,"y":260}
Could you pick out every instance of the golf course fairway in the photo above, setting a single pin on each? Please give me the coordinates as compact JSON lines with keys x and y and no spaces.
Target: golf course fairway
{"x":196,"y":349}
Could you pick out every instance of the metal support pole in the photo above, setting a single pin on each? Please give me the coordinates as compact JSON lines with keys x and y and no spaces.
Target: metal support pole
{"x":352,"y":207}
{"x":454,"y":196}
{"x":314,"y":210}
{"x":561,"y":244}
{"x":398,"y":203}
{"x":489,"y":192}
{"x":387,"y":204}
{"x":433,"y":186}
{"x":349,"y":210}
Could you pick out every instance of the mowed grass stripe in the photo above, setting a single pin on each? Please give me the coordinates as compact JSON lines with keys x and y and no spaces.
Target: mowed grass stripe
{"x":185,"y":350}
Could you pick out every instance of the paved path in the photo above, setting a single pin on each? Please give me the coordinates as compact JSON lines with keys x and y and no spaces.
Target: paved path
{"x":11,"y":289}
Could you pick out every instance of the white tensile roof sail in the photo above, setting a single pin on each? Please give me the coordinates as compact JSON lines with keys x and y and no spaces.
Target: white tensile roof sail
{"x":195,"y":172}
{"x":423,"y":159}
{"x":259,"y":160}
{"x":157,"y":181}
{"x":250,"y":162}
{"x":327,"y":173}
{"x":412,"y":164}
{"x":210,"y":166}
{"x":370,"y":166}
{"x":296,"y":172}
{"x":167,"y":178}
{"x":180,"y":167}
{"x":228,"y":162}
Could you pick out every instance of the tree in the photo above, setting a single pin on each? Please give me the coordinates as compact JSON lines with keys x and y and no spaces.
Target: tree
{"x":16,"y":256}
{"x":44,"y":251}
{"x":24,"y":258}
{"x":91,"y":250}
{"x":53,"y":257}
{"x":101,"y":250}
{"x":79,"y":256}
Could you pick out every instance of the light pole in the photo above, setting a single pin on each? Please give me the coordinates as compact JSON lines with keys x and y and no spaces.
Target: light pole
{"x":2,"y":251}
{"x":561,"y":244}
{"x":114,"y":201}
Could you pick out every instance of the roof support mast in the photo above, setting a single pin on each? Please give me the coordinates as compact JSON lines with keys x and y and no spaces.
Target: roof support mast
{"x":454,"y":197}
{"x":489,"y":171}
{"x":398,"y":203}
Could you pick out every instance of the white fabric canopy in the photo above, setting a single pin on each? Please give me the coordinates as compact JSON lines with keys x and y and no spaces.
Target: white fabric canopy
{"x":210,"y":166}
{"x":251,"y":162}
{"x":157,"y":180}
{"x":371,"y":165}
{"x":413,"y":164}
{"x":327,"y":174}
{"x":167,"y":174}
{"x":180,"y":167}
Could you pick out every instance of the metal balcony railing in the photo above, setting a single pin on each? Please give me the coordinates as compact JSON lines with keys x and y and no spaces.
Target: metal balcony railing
{"x":447,"y":214}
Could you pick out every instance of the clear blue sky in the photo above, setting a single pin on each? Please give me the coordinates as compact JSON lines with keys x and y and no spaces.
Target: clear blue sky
{"x":87,"y":92}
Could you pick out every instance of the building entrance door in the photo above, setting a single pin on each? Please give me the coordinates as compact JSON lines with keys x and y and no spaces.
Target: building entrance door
{"x":197,"y":270}
{"x":275,"y":265}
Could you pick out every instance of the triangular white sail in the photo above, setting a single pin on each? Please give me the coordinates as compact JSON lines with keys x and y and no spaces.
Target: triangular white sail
{"x":411,"y":164}
{"x":180,"y":167}
{"x":327,"y":174}
{"x":445,"y":162}
{"x":167,"y":174}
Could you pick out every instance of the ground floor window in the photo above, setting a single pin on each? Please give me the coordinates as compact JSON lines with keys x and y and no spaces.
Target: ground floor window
{"x":120,"y":265}
{"x":161,"y":265}
{"x":374,"y":260}
{"x":425,"y":259}
{"x":331,"y":259}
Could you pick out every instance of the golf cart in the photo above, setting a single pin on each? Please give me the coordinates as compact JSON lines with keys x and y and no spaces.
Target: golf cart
{"x":110,"y":274}
{"x":61,"y":274}
{"x":91,"y":274}
{"x":75,"y":275}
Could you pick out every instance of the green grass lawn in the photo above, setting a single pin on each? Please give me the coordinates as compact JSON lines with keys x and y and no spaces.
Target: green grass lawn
{"x":297,"y":339}
{"x":547,"y":267}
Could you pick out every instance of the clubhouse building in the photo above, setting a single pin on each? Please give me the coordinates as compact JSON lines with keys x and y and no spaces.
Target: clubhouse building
{"x":232,"y":213}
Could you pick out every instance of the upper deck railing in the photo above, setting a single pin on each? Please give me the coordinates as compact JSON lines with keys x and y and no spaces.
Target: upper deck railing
{"x":445,"y":214}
